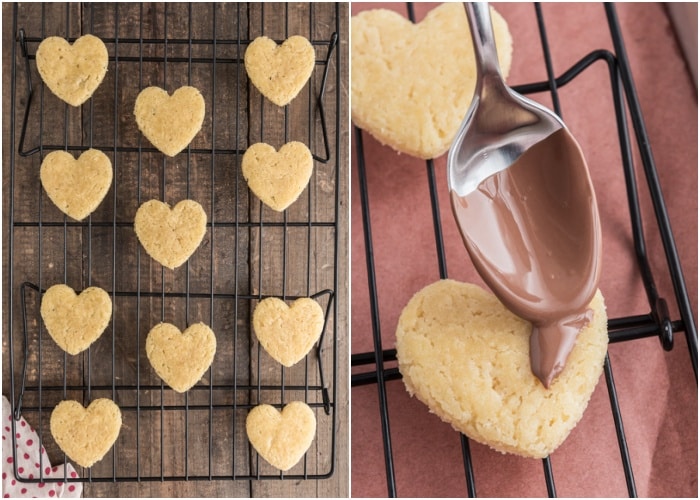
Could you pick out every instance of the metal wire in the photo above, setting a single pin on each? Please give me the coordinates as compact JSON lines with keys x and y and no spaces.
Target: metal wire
{"x":33,"y":393}
{"x":656,"y":323}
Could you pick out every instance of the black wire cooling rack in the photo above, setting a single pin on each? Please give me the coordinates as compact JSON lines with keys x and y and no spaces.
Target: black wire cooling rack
{"x":657,"y":323}
{"x":249,"y":252}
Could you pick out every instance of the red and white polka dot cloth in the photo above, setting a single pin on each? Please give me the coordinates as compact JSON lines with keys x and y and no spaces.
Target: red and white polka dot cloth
{"x":29,"y":450}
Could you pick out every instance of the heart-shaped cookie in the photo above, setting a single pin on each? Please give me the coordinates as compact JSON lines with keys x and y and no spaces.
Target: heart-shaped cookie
{"x":170,"y":236}
{"x":288,"y":333}
{"x":411,"y":84}
{"x":283,"y":437}
{"x":75,"y":321}
{"x":180,"y":358}
{"x":76,"y":187}
{"x":277,"y":177}
{"x":463,"y":354}
{"x":86,"y":434}
{"x":169,"y":122}
{"x":72,"y":72}
{"x":280,"y":71}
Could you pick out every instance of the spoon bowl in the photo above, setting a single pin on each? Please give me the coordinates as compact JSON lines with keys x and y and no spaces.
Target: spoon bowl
{"x":524,"y":203}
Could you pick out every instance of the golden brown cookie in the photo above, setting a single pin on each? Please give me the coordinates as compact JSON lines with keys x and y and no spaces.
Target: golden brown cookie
{"x":181,"y":358}
{"x":280,"y":71}
{"x":169,"y":122}
{"x":411,"y":84}
{"x":86,"y":434}
{"x":72,"y":72}
{"x":76,"y":187}
{"x":75,"y":321}
{"x":283,"y":437}
{"x":288,"y":333}
{"x":170,"y":236}
{"x":463,"y":354}
{"x":277,"y":177}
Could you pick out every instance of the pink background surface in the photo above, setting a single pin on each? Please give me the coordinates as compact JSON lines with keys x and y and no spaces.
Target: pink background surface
{"x":657,"y":391}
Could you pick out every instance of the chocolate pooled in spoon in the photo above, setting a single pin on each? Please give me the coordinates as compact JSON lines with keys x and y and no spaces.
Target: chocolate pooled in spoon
{"x":524,"y":202}
{"x":533,"y":233}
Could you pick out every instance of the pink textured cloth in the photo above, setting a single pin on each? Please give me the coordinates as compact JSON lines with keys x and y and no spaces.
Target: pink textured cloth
{"x":656,"y":389}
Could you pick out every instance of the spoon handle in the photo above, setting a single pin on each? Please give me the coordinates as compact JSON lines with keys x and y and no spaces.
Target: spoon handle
{"x":479,"y":17}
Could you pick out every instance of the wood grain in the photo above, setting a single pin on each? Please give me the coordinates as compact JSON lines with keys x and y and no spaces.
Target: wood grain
{"x":249,"y":250}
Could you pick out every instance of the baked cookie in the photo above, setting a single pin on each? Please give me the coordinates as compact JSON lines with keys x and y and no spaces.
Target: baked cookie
{"x":170,"y":236}
{"x":288,"y":333}
{"x":283,"y":437}
{"x":169,"y":122}
{"x":411,"y":84}
{"x":72,"y":72}
{"x":279,"y":72}
{"x":277,"y":177}
{"x":462,"y":353}
{"x":180,"y":358}
{"x":86,"y":434}
{"x":75,"y":321}
{"x":76,"y":187}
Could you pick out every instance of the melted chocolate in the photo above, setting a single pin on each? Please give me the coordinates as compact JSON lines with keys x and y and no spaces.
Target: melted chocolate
{"x":533,"y":233}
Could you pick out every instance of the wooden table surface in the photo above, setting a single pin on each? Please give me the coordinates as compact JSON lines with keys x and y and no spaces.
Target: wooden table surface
{"x":249,"y":250}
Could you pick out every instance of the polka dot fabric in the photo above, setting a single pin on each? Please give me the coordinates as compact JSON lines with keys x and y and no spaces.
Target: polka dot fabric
{"x":31,"y":457}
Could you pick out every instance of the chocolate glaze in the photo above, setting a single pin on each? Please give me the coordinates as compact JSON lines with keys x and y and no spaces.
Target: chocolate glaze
{"x":533,"y":233}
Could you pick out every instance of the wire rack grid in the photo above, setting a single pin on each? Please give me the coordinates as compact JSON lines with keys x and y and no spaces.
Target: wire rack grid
{"x":248,"y":253}
{"x":657,"y":323}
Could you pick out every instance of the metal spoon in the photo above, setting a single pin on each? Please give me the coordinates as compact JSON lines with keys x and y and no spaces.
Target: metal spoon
{"x":524,"y":203}
{"x":500,"y":124}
